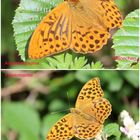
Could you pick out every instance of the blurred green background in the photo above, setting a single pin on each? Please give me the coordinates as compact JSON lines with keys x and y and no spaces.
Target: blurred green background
{"x":9,"y":53}
{"x":34,"y":101}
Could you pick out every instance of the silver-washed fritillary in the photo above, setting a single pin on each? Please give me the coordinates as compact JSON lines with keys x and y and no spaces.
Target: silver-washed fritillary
{"x":87,"y":118}
{"x":80,"y":25}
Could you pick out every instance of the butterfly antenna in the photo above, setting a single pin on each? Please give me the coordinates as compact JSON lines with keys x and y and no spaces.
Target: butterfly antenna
{"x":68,"y":100}
{"x":56,"y":112}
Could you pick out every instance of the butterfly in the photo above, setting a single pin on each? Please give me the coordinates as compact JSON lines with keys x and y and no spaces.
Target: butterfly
{"x":86,"y":120}
{"x":79,"y":25}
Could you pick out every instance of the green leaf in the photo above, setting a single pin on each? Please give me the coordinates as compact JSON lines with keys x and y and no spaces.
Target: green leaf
{"x":117,"y":82}
{"x":83,"y":76}
{"x":57,"y":105}
{"x":126,"y":42}
{"x":68,"y":61}
{"x":97,"y":65}
{"x":112,"y":129}
{"x":62,"y":61}
{"x":132,"y":77}
{"x":21,"y":118}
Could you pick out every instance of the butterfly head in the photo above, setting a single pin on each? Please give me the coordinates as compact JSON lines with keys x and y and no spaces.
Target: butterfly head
{"x":76,"y":111}
{"x":73,"y":110}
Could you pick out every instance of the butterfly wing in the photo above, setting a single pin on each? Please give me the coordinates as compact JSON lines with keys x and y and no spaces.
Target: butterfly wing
{"x":53,"y":34}
{"x":91,"y":110}
{"x":90,"y":123}
{"x":92,"y":21}
{"x":88,"y":39}
{"x":63,"y":129}
{"x":102,"y":109}
{"x":111,"y":14}
{"x":83,"y":26}
{"x":89,"y":34}
{"x":86,"y":129}
{"x":99,"y":109}
{"x":90,"y":92}
{"x":90,"y":101}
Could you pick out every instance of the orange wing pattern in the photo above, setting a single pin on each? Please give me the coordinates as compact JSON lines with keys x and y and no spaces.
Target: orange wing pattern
{"x":112,"y":16}
{"x":86,"y":128}
{"x":53,"y":34}
{"x":80,"y":25}
{"x":90,"y":92}
{"x":85,"y":120}
{"x":63,"y":129}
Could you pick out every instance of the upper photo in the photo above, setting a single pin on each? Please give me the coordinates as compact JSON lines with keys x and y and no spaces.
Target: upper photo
{"x":70,"y":34}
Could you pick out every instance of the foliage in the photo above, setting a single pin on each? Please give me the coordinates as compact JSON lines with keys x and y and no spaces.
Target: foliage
{"x":7,"y":38}
{"x":16,"y":117}
{"x":126,"y":42}
{"x":62,"y":61}
{"x":112,"y":129}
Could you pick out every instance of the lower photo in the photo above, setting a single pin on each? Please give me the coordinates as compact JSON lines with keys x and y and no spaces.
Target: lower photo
{"x":70,"y":105}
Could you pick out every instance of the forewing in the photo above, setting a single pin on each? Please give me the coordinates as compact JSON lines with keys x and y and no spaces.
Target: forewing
{"x":89,"y":34}
{"x":111,"y":14}
{"x":90,"y":92}
{"x":92,"y":21}
{"x":53,"y":33}
{"x":63,"y":129}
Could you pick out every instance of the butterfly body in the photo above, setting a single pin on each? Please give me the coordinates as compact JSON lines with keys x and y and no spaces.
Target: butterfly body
{"x":77,"y":111}
{"x":86,"y":120}
{"x":80,"y":25}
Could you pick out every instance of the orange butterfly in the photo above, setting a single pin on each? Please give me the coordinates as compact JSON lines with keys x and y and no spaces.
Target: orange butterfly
{"x":86,"y":120}
{"x":80,"y":25}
